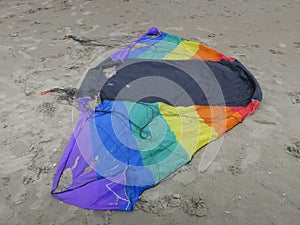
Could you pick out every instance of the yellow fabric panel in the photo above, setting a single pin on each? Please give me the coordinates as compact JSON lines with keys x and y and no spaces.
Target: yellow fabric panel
{"x":184,"y":51}
{"x":190,"y":130}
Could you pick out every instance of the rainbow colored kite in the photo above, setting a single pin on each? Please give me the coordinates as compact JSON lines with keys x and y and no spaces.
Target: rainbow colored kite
{"x":162,"y":99}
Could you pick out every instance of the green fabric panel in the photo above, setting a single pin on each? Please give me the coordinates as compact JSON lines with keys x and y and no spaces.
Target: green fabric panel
{"x":162,"y":48}
{"x":160,"y":151}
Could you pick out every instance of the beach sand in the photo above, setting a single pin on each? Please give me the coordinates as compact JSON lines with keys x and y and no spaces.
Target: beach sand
{"x":255,"y":177}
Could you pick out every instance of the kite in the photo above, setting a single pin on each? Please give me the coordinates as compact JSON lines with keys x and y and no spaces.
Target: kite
{"x":162,"y":98}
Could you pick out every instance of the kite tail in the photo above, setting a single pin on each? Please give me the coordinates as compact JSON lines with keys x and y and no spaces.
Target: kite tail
{"x":70,"y":92}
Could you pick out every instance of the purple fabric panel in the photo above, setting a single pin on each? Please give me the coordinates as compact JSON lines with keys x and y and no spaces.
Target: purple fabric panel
{"x":68,"y":158}
{"x":106,"y":194}
{"x":88,"y":191}
{"x":84,"y":151}
{"x":63,"y":162}
{"x":78,"y":154}
{"x":121,"y":54}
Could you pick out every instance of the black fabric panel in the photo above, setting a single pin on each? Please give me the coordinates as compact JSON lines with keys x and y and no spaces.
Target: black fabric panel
{"x":257,"y":94}
{"x":151,"y":81}
{"x":236,"y":84}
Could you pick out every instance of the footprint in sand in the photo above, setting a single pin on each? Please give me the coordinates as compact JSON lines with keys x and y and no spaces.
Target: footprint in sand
{"x":48,"y":108}
{"x":294,"y":149}
{"x":295,"y":97}
{"x":297,"y":43}
{"x":195,"y":207}
{"x":276,"y":52}
{"x":234,"y":169}
{"x":159,"y":206}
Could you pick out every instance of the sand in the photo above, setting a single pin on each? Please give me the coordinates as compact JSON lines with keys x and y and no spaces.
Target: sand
{"x":255,"y":177}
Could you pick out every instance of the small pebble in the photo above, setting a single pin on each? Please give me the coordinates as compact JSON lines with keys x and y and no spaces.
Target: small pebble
{"x":281,"y":45}
{"x":14,"y":34}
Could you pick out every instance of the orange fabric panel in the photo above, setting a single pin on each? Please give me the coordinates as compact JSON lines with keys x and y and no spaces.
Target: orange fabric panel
{"x":221,"y":118}
{"x":206,"y":53}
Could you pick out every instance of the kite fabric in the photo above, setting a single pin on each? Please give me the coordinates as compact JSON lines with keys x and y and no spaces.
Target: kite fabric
{"x":162,"y":99}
